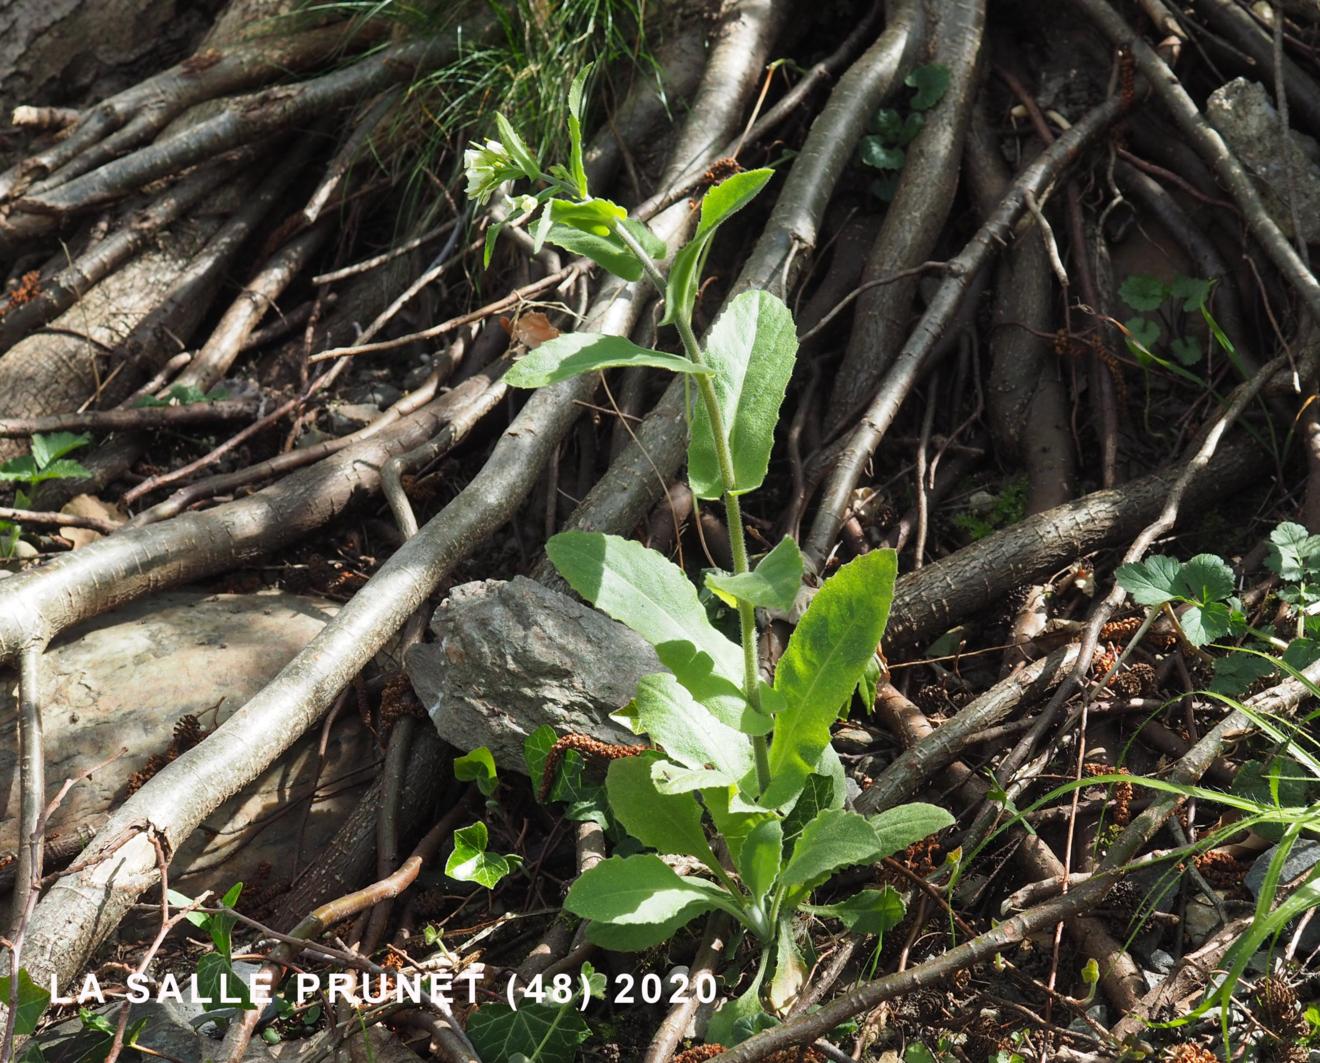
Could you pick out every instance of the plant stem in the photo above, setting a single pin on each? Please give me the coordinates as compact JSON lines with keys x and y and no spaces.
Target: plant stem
{"x":732,"y":509}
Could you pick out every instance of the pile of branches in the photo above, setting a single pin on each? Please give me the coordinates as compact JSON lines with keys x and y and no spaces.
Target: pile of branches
{"x":963,"y":190}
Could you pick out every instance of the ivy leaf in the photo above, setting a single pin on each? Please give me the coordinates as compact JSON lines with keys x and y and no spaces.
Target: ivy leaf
{"x":479,"y":767}
{"x":868,"y":912}
{"x":822,"y":664}
{"x":1193,"y":291}
{"x":95,"y":1022}
{"x":668,"y":823}
{"x":718,"y":205}
{"x":541,"y":1033}
{"x":772,"y":584}
{"x":220,"y":984}
{"x":639,"y":890}
{"x":575,"y":353}
{"x":931,"y":82}
{"x":878,"y":155}
{"x":1150,"y":582}
{"x":760,"y":858}
{"x":751,"y":348}
{"x":643,"y":590}
{"x":835,"y":838}
{"x":469,"y":862}
{"x":1141,"y":291}
{"x":220,"y":925}
{"x":1205,"y":578}
{"x":32,"y":1001}
{"x":585,"y":800}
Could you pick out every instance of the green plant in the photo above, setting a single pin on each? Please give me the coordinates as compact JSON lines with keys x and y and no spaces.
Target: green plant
{"x":182,"y":395}
{"x":1275,"y":795}
{"x":1164,"y":309}
{"x":1008,"y":507}
{"x":536,"y":1031}
{"x":884,"y":148}
{"x":32,"y":1001}
{"x":518,"y":68}
{"x":45,"y":462}
{"x":749,"y":757}
{"x":1204,"y":586}
{"x":478,"y":767}
{"x":104,"y":1030}
{"x":470,"y":862}
{"x":218,"y":982}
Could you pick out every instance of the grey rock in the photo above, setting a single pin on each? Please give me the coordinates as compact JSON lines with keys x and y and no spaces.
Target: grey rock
{"x":1200,"y":920}
{"x":1304,"y":855}
{"x":168,"y":1031}
{"x":509,"y":657}
{"x":1245,"y":117}
{"x":1162,"y":961}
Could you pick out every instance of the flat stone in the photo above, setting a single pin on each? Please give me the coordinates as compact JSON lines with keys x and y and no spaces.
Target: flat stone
{"x":123,"y":680}
{"x":509,"y":657}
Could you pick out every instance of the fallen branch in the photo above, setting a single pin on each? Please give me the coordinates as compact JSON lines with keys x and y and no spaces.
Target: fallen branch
{"x":63,"y":520}
{"x":137,"y":418}
{"x":939,"y":595}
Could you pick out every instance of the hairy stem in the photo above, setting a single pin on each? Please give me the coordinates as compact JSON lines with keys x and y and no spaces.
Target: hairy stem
{"x":737,"y":539}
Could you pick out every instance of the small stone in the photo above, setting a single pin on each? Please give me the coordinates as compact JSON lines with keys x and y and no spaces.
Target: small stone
{"x":1200,"y":920}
